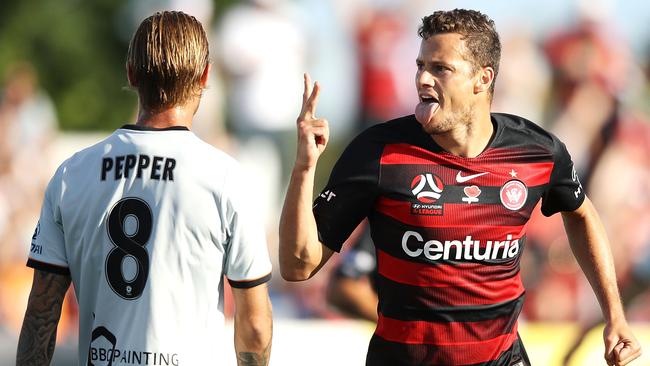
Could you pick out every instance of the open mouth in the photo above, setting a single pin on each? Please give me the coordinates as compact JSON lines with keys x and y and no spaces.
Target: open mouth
{"x":427,"y":107}
{"x":428,"y":99}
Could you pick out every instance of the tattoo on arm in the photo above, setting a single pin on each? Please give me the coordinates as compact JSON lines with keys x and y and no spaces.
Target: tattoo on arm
{"x":38,"y":334}
{"x":253,"y":358}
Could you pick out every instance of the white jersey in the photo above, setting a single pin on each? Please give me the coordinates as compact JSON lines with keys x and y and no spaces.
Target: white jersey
{"x":147,"y":222}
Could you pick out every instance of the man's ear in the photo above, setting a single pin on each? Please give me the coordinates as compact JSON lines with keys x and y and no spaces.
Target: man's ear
{"x":206,"y":75}
{"x":133,"y":82}
{"x":484,"y":80}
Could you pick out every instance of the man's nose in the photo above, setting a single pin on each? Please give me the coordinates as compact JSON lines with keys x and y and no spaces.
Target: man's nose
{"x":425,"y":79}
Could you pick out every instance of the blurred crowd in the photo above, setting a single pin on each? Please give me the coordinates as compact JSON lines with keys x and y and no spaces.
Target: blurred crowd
{"x":581,"y":81}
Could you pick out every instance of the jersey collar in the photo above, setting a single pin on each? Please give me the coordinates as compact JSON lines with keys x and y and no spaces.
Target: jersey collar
{"x":145,"y":128}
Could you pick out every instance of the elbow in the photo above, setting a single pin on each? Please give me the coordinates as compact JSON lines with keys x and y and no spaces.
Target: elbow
{"x":299,"y":264}
{"x":294,"y":268}
{"x":294,"y":273}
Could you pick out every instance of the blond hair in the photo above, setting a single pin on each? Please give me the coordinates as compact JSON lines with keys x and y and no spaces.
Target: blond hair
{"x":167,"y":57}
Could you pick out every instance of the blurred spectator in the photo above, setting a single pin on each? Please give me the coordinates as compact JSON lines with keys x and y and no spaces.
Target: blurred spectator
{"x":331,"y":57}
{"x":524,"y":96}
{"x":28,"y":127}
{"x":590,"y":67}
{"x":378,"y":36}
{"x":583,"y":110}
{"x":262,"y":54}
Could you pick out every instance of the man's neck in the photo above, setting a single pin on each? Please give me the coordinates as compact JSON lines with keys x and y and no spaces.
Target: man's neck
{"x":170,"y":117}
{"x":468,"y":140}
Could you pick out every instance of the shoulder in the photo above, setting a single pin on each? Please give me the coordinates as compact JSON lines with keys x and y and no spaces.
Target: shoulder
{"x":213,"y":155}
{"x":371,"y":141}
{"x":362,"y":157}
{"x":395,"y":129}
{"x":516,"y":131}
{"x":80,"y":158}
{"x":399,"y":130}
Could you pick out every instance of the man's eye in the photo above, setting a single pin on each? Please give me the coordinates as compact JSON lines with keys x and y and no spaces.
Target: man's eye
{"x":440,"y":69}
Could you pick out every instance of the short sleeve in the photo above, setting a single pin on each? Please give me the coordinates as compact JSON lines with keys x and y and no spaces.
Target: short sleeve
{"x":47,"y":250}
{"x":564,"y":191}
{"x":350,"y":192}
{"x":247,"y":262}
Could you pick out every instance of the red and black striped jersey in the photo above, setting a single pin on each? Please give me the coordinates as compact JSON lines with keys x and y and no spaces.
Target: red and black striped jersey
{"x":448,"y":233}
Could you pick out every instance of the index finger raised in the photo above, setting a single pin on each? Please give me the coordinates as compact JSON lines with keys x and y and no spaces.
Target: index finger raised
{"x":309,"y":98}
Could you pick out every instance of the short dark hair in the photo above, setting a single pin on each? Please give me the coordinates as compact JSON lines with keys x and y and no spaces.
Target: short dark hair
{"x":477,"y":30}
{"x":168,"y":54}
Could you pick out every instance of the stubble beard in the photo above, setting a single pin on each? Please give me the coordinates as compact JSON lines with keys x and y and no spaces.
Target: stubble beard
{"x":448,"y":123}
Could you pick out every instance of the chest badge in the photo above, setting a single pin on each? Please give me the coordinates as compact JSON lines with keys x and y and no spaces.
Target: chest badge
{"x":513,"y":194}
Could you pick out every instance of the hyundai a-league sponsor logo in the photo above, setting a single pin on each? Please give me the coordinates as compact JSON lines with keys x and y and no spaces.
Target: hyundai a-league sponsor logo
{"x":427,"y":189}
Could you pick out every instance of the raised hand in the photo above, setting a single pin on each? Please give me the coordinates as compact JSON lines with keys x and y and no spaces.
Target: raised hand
{"x":313,"y":133}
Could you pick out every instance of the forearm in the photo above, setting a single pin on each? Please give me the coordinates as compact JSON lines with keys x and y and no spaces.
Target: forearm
{"x":36,"y":343}
{"x":591,"y":248}
{"x":300,"y":250}
{"x":253,"y":334}
{"x":38,"y":333}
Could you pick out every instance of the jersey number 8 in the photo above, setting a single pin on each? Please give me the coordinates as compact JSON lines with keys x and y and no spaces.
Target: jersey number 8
{"x":129,"y":228}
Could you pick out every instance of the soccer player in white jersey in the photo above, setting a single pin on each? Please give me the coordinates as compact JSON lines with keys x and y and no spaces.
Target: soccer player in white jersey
{"x":146,"y":224}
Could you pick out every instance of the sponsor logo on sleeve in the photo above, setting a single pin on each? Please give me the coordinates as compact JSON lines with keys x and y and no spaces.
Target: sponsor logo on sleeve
{"x":576,"y":179}
{"x":36,"y":248}
{"x":327,"y":195}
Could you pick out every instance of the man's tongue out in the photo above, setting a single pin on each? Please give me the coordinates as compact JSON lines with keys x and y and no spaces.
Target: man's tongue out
{"x":424,"y":111}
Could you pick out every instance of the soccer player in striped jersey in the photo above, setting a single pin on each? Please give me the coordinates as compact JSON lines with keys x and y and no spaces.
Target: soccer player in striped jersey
{"x":447,"y":193}
{"x":146,"y":224}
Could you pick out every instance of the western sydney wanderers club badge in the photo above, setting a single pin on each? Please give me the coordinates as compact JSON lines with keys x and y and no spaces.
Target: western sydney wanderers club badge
{"x":513,"y":194}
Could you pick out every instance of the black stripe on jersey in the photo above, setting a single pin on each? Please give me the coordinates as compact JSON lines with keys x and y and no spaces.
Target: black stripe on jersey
{"x":489,"y":195}
{"x":422,"y":297}
{"x":47,"y":267}
{"x":389,"y":240}
{"x":408,"y":312}
{"x":147,"y":128}
{"x":500,"y":215}
{"x":251,"y":283}
{"x":385,"y":353}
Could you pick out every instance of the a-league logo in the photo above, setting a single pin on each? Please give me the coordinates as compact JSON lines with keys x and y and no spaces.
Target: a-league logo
{"x":427,"y":187}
